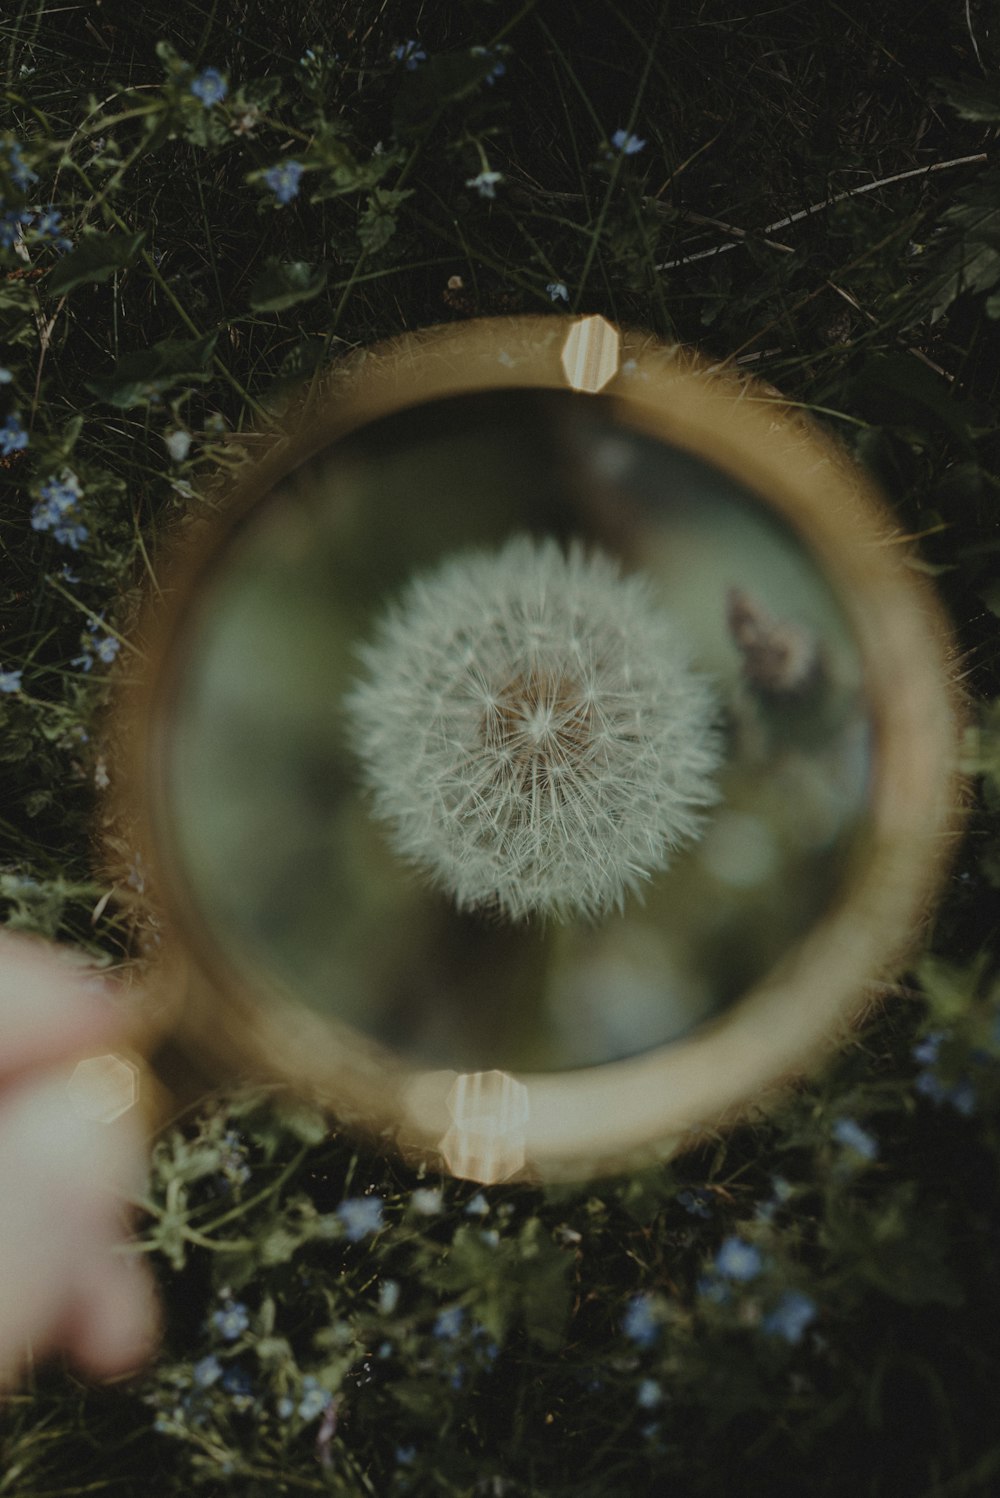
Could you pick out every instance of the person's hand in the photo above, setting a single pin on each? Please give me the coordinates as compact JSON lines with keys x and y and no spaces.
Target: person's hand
{"x":63,"y":1287}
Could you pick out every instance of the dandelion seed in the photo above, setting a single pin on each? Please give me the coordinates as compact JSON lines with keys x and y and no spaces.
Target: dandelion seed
{"x":283,"y":180}
{"x":627,"y":144}
{"x":210,"y":87}
{"x":530,"y":732}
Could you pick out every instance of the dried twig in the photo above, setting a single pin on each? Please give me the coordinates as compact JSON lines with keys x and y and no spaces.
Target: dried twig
{"x":781,"y":223}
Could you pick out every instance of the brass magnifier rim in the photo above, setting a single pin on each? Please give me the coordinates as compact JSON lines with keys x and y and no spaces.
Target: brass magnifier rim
{"x":571,"y":1125}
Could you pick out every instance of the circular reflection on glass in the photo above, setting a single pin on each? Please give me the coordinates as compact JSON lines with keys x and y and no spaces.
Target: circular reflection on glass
{"x":512,"y":737}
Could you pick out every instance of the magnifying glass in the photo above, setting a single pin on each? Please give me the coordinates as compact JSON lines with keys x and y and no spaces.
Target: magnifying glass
{"x":541,"y":753}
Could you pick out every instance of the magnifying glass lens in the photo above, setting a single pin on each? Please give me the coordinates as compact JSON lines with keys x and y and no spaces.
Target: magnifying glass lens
{"x":511,"y":736}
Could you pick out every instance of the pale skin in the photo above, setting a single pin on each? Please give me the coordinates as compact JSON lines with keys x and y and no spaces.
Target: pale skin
{"x":66,"y":1285}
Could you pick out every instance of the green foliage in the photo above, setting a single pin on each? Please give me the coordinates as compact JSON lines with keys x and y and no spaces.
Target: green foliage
{"x":97,"y":257}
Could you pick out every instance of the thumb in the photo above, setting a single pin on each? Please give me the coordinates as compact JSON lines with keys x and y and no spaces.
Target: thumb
{"x":52,"y":1005}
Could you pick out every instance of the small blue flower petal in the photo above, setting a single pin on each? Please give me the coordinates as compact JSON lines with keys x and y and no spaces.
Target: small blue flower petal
{"x":790,"y":1317}
{"x":627,"y":144}
{"x":210,"y":87}
{"x":283,"y":180}
{"x":737,"y":1260}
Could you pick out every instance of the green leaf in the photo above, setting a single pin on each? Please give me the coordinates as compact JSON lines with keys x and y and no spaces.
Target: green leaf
{"x":96,"y":258}
{"x":148,"y":372}
{"x":282,"y":284}
{"x":972,"y":98}
{"x":951,"y":990}
{"x":378,"y":222}
{"x":523,"y":1280}
{"x":899,"y":390}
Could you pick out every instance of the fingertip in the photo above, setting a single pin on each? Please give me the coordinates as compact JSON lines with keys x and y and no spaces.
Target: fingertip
{"x":119,"y":1325}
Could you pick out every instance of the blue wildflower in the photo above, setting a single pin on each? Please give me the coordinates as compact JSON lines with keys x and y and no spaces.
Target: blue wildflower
{"x":928,"y":1050}
{"x":10,"y":681}
{"x":497,"y":70}
{"x":57,"y":502}
{"x":285,"y":1407}
{"x":231,"y":1321}
{"x":20,"y":172}
{"x":627,"y":144}
{"x":48,"y":225}
{"x":283,"y":180}
{"x":449,"y":1322}
{"x":485,"y":183}
{"x":960,"y":1094}
{"x":405,"y":1455}
{"x":737,"y":1260}
{"x":411,"y":53}
{"x":649,"y":1394}
{"x":962,"y":1097}
{"x":315,"y":1399}
{"x":237,"y":1381}
{"x":388,"y":1297}
{"x":426,"y":1200}
{"x":361,"y":1215}
{"x":71,"y":533}
{"x":12,"y":220}
{"x":12,"y":435}
{"x":478,"y":1206}
{"x":697,"y":1202}
{"x":490,"y":1351}
{"x":210,"y":87}
{"x":710,"y":1287}
{"x":639,"y":1322}
{"x":457,"y":1376}
{"x":855,"y":1138}
{"x":790,"y":1317}
{"x":207,"y":1371}
{"x":557,"y":291}
{"x":5,"y":376}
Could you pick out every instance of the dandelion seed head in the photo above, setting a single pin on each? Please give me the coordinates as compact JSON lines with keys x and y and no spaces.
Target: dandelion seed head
{"x":530,"y":732}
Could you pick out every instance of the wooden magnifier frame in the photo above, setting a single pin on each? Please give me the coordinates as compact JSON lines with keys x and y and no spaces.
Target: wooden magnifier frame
{"x":201,"y":1026}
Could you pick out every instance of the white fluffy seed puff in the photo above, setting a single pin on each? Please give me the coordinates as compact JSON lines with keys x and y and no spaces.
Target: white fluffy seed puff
{"x":530,"y":732}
